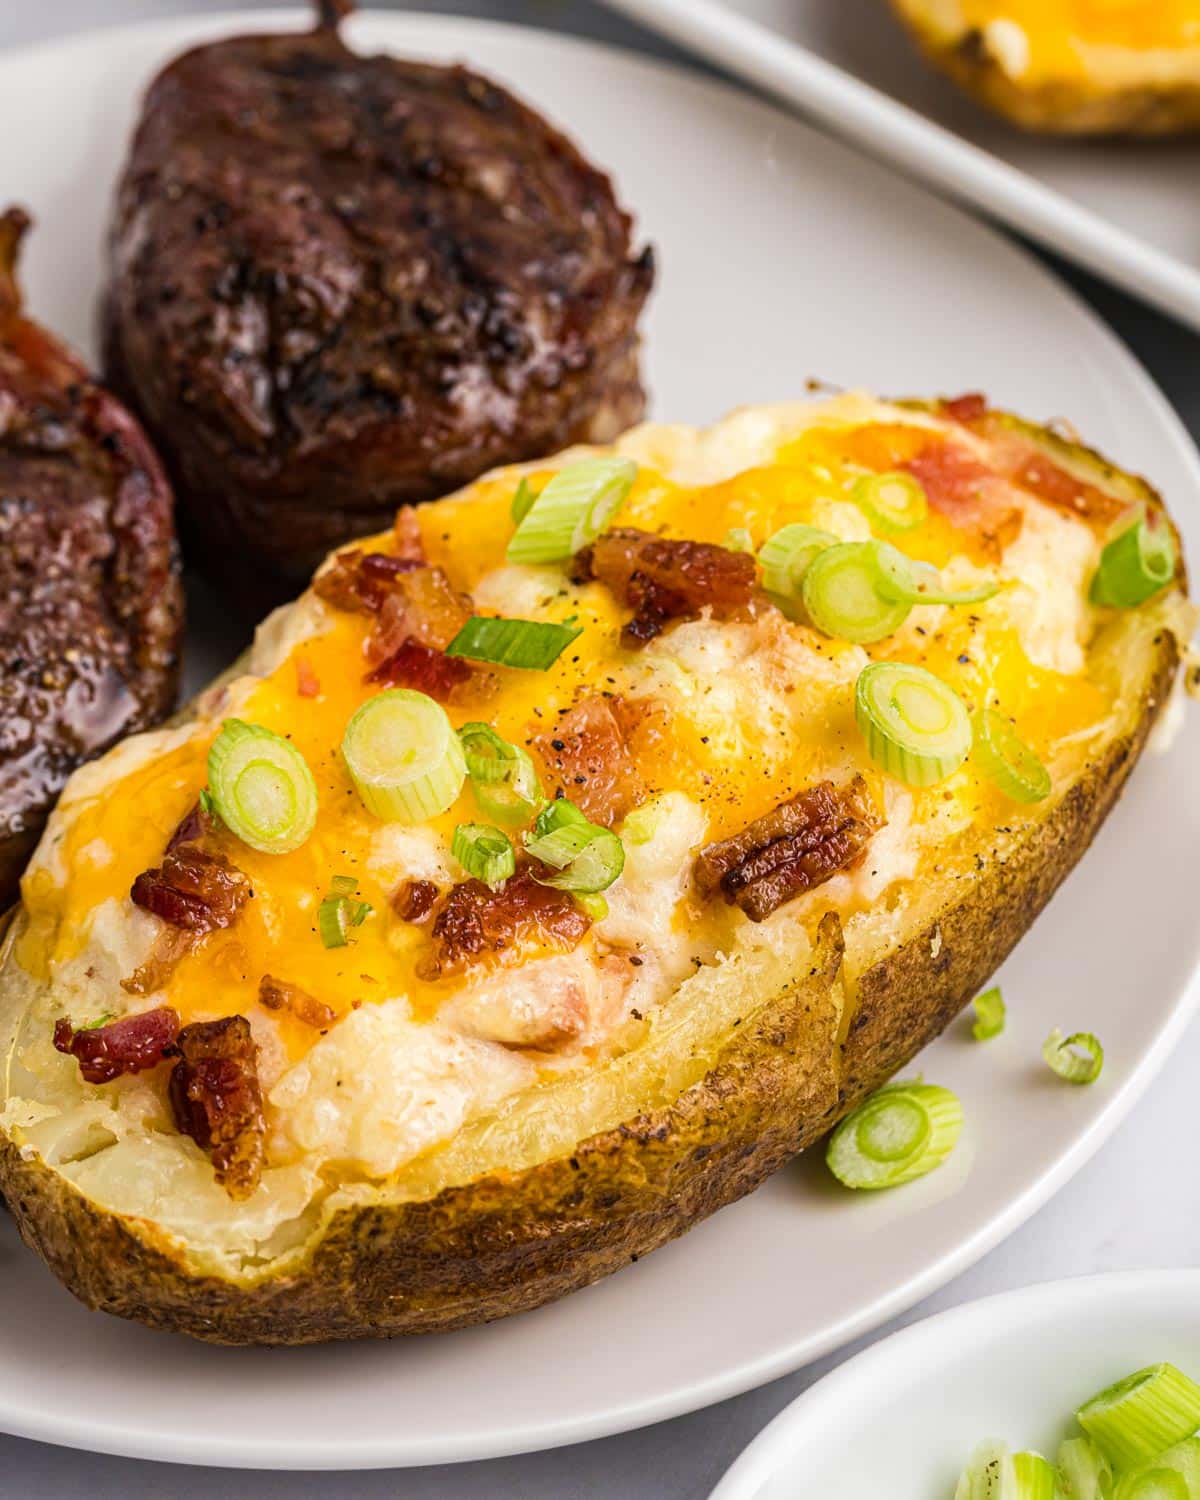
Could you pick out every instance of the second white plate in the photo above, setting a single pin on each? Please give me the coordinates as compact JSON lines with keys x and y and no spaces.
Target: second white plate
{"x":782,"y":255}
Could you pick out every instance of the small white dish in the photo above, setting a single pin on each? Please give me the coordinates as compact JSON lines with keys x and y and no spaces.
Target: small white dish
{"x":902,"y":1417}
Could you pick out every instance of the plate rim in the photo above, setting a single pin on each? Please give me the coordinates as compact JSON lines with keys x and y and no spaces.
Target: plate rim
{"x":612,"y":1419}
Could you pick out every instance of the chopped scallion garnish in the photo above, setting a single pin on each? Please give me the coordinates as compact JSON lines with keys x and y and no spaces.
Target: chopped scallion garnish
{"x":403,"y":756}
{"x":1135,"y":1420}
{"x":842,"y":596}
{"x":588,"y":858}
{"x":901,"y":1132}
{"x":502,"y":775}
{"x":989,"y":1015}
{"x":892,"y":501}
{"x":1152,"y":1483}
{"x":530,"y":645}
{"x":1077,"y":1059}
{"x":906,"y":580}
{"x":1086,"y":1473}
{"x":916,"y":727}
{"x":1135,"y":564}
{"x":484,"y":852}
{"x":1004,"y":758}
{"x":573,"y":509}
{"x":522,"y":502}
{"x":785,"y":558}
{"x":261,"y":787}
{"x":338,"y":913}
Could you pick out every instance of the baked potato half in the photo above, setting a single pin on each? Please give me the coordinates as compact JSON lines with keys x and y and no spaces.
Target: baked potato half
{"x":1069,"y":67}
{"x":394,"y":1079}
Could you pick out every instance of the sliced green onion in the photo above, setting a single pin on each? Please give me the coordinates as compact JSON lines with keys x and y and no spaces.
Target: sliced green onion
{"x":1005,"y":758}
{"x":1152,"y":1484}
{"x":785,"y":558}
{"x":1085,"y":1472}
{"x":1136,"y":1419}
{"x":1184,"y":1460}
{"x":989,"y":1015}
{"x":588,"y":858}
{"x":205,"y":803}
{"x":484,"y":852}
{"x":573,"y":509}
{"x":530,"y":645}
{"x":343,"y":885}
{"x":841,"y":594}
{"x":338,"y":913}
{"x":988,"y":1475}
{"x":738,"y":539}
{"x":489,"y":756}
{"x":899,"y":1133}
{"x":595,"y":906}
{"x":907,"y":580}
{"x":503,"y":777}
{"x":1060,"y":1054}
{"x":891,"y":502}
{"x":1137,"y":563}
{"x":403,"y":756}
{"x":916,"y":727}
{"x":261,"y":787}
{"x":1033,"y":1477}
{"x":522,"y":502}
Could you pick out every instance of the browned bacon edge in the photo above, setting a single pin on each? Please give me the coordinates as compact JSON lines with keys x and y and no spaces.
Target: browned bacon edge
{"x":278,"y":994}
{"x":130,"y":1045}
{"x":217,"y":1099}
{"x":587,"y":755}
{"x":475,"y":923}
{"x":799,"y":845}
{"x":193,"y":889}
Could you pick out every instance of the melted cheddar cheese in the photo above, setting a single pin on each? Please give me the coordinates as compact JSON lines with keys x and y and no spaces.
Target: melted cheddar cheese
{"x":1059,"y":39}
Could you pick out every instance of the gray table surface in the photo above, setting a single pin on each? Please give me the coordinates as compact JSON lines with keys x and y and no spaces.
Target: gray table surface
{"x":1126,"y":1209}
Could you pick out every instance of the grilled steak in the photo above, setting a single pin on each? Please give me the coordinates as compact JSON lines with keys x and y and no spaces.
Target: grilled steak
{"x":343,"y":283}
{"x":91,"y":608}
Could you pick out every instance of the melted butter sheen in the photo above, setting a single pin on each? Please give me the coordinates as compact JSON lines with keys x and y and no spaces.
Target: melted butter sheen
{"x":796,"y":724}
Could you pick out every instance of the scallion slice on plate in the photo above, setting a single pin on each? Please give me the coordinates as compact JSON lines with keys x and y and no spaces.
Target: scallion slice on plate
{"x":892,"y":501}
{"x":842,"y":597}
{"x":1078,"y":1058}
{"x":907,"y":580}
{"x":901,"y":1132}
{"x":403,"y":756}
{"x":785,"y":557}
{"x":586,"y":857}
{"x":529,"y":645}
{"x":486,"y":853}
{"x":573,"y":509}
{"x":1005,"y":759}
{"x":1135,"y":564}
{"x":916,"y":727}
{"x":989,"y":1014}
{"x":261,"y":788}
{"x":1135,"y":1420}
{"x":993,"y":1473}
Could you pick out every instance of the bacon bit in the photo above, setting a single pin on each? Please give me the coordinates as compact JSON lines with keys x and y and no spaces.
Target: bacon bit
{"x":662,"y":579}
{"x":191,"y":828}
{"x":800,"y":844}
{"x":965,"y":409}
{"x":217,"y":1100}
{"x":278,"y":994}
{"x":422,"y":605}
{"x":417,"y":666}
{"x":410,"y":544}
{"x":129,"y":1045}
{"x":192,"y":889}
{"x":969,"y":494}
{"x":308,"y":684}
{"x":414,"y":900}
{"x":475,"y":921}
{"x":359,"y":581}
{"x":587,"y":757}
{"x":1058,"y":487}
{"x":171,"y":946}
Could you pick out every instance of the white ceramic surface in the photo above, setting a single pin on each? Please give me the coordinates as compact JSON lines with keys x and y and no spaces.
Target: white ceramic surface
{"x":782,"y":255}
{"x":900,"y":1419}
{"x":1123,"y":209}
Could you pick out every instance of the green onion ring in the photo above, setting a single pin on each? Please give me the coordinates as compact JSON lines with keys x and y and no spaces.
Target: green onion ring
{"x":891,"y":502}
{"x":916,"y":727}
{"x":1137,"y":1418}
{"x":261,"y":787}
{"x":989,"y":1014}
{"x":841,"y":595}
{"x":1060,"y":1055}
{"x":1006,"y":759}
{"x":1135,"y":564}
{"x":572,"y":510}
{"x":901,"y":1132}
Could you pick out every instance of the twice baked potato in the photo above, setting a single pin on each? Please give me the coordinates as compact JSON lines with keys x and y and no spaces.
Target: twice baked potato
{"x":319,"y":1020}
{"x":1070,"y":67}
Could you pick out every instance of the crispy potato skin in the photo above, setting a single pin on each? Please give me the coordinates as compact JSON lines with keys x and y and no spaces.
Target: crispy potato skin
{"x":1089,"y":107}
{"x":504,"y":1244}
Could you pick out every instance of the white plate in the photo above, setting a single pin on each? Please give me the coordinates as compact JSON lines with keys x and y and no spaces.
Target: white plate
{"x":1124,"y":209}
{"x":902,"y":1418}
{"x":783,"y":254}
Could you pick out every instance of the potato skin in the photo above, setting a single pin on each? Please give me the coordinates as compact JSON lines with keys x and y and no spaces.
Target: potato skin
{"x":1087,"y":107}
{"x":503,"y":1244}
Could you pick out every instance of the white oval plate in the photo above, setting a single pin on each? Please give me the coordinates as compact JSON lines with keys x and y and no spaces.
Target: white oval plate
{"x":782,"y":255}
{"x":902,"y":1417}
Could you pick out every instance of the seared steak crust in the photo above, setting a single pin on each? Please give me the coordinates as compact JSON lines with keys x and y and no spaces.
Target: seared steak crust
{"x":343,"y":283}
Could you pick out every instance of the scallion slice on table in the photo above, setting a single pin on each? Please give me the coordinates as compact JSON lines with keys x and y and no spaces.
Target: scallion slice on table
{"x":1137,"y":1419}
{"x":989,"y":1014}
{"x":1078,"y":1058}
{"x":403,"y":756}
{"x":486,"y":853}
{"x":916,"y":727}
{"x":339,"y":912}
{"x":586,"y":857}
{"x":899,"y":1133}
{"x":842,"y":597}
{"x":907,"y":580}
{"x":261,"y":788}
{"x":1135,"y":564}
{"x":785,"y":558}
{"x":573,"y":509}
{"x":892,"y":501}
{"x":502,"y":775}
{"x":529,"y":645}
{"x":1005,"y":759}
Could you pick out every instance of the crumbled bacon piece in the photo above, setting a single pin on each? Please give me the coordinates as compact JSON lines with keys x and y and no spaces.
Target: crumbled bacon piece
{"x":410,"y":544}
{"x":414,"y":900}
{"x":360,"y":581}
{"x":191,"y":828}
{"x":966,"y":491}
{"x":476,"y":922}
{"x":800,"y":844}
{"x":129,"y":1045}
{"x":966,"y":409}
{"x":420,"y":667}
{"x":664,"y":579}
{"x":217,"y":1100}
{"x":1058,"y":487}
{"x":278,"y":994}
{"x":192,"y":889}
{"x":308,"y":684}
{"x":422,"y":606}
{"x":588,"y":757}
{"x":172,"y":945}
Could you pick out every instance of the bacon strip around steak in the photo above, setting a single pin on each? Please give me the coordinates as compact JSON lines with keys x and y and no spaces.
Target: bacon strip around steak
{"x":475,"y":923}
{"x":663,"y":579}
{"x":217,"y":1099}
{"x":800,"y":844}
{"x":192,"y":889}
{"x":129,"y":1045}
